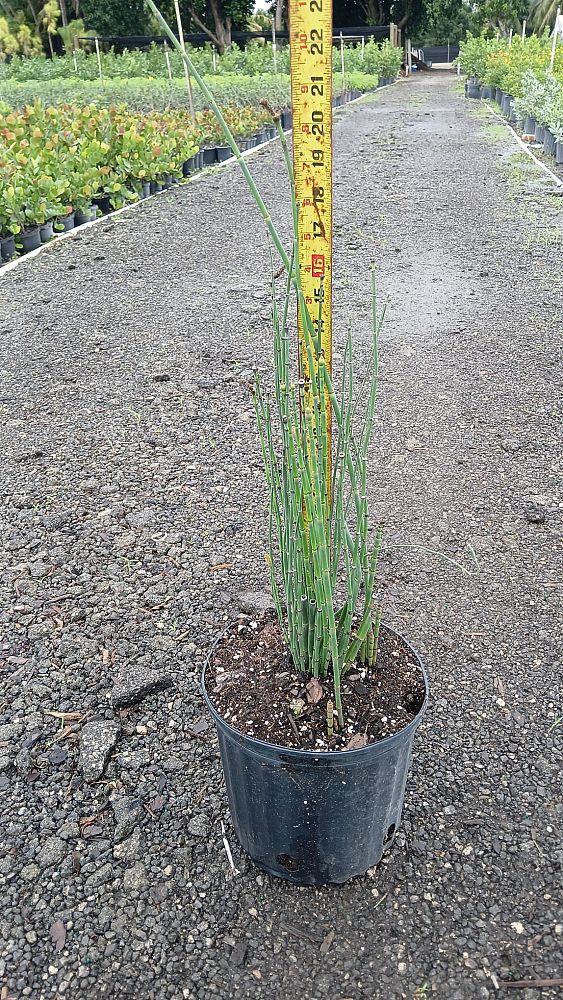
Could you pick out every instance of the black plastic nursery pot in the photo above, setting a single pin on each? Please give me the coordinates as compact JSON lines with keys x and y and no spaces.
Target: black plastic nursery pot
{"x":473,"y":90}
{"x":548,"y":142}
{"x":559,"y":152}
{"x":65,"y":223}
{"x":30,"y":239}
{"x":209,"y":156}
{"x":286,"y":120}
{"x":529,"y":126}
{"x":81,"y":218}
{"x":315,"y":818}
{"x":7,"y":248}
{"x":46,"y":232}
{"x":223,"y":153}
{"x":487,"y":92}
{"x":498,"y":95}
{"x":539,"y":133}
{"x":188,"y":166}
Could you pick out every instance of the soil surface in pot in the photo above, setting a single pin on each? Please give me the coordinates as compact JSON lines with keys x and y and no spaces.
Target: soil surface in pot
{"x":254,"y":686}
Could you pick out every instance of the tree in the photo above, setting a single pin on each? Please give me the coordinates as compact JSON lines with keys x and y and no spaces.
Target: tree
{"x":71,"y":34}
{"x":50,"y":14}
{"x":446,"y":21}
{"x":543,"y":13}
{"x":504,"y":15}
{"x":115,"y":17}
{"x":216,"y":18}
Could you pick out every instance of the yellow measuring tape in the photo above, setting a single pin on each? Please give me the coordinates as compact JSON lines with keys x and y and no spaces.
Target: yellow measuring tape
{"x":310,"y":33}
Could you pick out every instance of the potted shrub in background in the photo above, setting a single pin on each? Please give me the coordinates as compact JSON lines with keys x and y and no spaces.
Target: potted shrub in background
{"x":389,"y":63}
{"x":11,"y":213}
{"x":473,"y":58}
{"x":316,"y":705}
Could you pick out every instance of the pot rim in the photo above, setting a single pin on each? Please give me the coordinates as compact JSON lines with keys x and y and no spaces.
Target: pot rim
{"x":355,"y":755}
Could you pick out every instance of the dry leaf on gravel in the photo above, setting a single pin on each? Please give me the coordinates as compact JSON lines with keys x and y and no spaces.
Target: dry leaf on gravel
{"x":58,"y":934}
{"x":327,"y":941}
{"x":67,"y":716}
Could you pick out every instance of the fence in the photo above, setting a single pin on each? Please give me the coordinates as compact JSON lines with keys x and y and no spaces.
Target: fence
{"x":119,"y":42}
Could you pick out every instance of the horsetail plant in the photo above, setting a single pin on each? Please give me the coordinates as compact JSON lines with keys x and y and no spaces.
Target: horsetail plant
{"x":322,"y":565}
{"x":318,"y":536}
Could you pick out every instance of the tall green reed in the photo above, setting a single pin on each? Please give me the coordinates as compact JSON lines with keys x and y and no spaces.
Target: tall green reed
{"x":322,"y":564}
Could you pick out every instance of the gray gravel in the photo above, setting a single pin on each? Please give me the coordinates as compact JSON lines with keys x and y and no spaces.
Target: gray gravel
{"x":133,"y":520}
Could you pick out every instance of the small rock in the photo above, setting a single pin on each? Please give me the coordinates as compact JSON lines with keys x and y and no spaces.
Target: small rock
{"x":238,"y":954}
{"x":30,"y":872}
{"x":141,"y":518}
{"x":10,"y":731}
{"x":69,"y":830}
{"x":53,"y":851}
{"x":413,"y":444}
{"x":535,"y":514}
{"x":253,"y":601}
{"x":130,"y":849}
{"x":101,"y":877}
{"x":136,"y":682}
{"x":58,"y":756}
{"x":55,"y":521}
{"x":128,"y":813}
{"x":97,"y":741}
{"x":135,"y":878}
{"x":198,"y":826}
{"x":22,"y":762}
{"x":511,"y":444}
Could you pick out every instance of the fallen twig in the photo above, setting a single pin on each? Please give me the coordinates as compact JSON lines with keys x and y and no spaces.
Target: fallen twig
{"x":228,"y":849}
{"x":529,"y":984}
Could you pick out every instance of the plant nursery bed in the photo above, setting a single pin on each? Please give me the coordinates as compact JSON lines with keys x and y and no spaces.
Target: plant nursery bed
{"x":256,"y":689}
{"x":133,"y":535}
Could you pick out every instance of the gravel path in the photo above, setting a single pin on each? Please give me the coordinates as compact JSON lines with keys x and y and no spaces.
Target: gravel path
{"x":133,"y":527}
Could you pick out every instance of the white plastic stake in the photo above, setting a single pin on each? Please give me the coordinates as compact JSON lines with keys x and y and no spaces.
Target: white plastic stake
{"x":99,"y":61}
{"x":342,"y":62}
{"x":448,"y":59}
{"x":554,"y":44}
{"x":523,"y":29}
{"x":510,"y":39}
{"x":75,"y":63}
{"x":274,"y":49}
{"x":363,"y":46}
{"x":186,"y":70}
{"x":214,"y":55}
{"x":167,"y":57}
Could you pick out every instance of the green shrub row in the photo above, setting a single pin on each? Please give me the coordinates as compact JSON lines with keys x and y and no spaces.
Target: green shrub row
{"x":521,"y":70}
{"x":161,"y":95}
{"x":255,"y":60}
